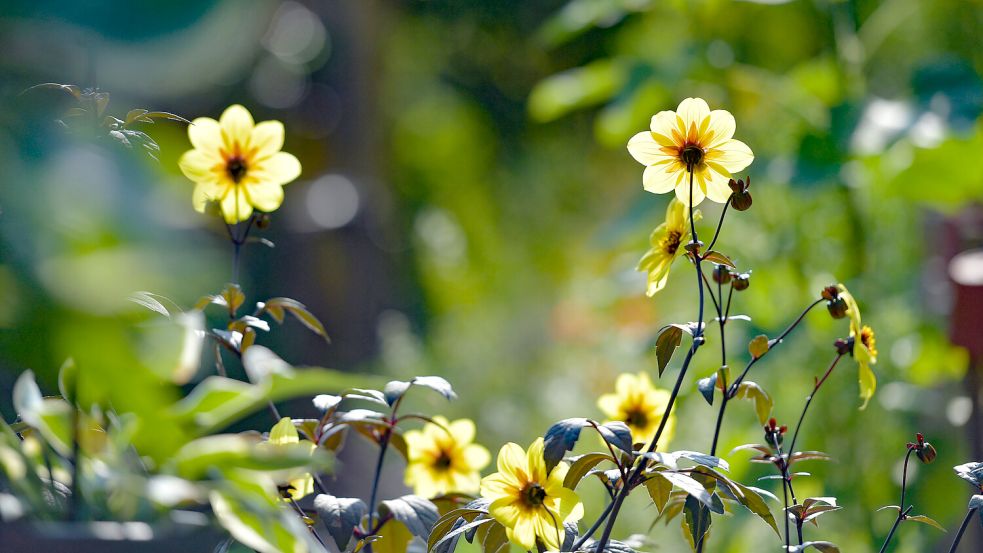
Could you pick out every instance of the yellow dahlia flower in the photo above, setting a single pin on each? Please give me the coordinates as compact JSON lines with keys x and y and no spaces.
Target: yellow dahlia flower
{"x":528,"y":501}
{"x":640,"y":405}
{"x":864,"y":347}
{"x":284,"y":432}
{"x":237,"y":164}
{"x":692,"y":136}
{"x":667,"y":242}
{"x":442,"y":458}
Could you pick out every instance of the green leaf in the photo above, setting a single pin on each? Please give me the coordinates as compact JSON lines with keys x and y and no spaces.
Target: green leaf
{"x":762,"y":401}
{"x":198,"y":458}
{"x":659,"y":489}
{"x":68,"y":381}
{"x":247,"y":505}
{"x":300,"y":312}
{"x":696,"y":521}
{"x":694,"y":489}
{"x":397,"y":388}
{"x":561,"y":438}
{"x":665,"y":345}
{"x":758,"y":346}
{"x":821,"y":546}
{"x":418,"y":514}
{"x":751,"y":498}
{"x":340,"y":515}
{"x":719,"y":259}
{"x":925,"y":520}
{"x":706,"y":387}
{"x":445,"y":523}
{"x":580,"y":466}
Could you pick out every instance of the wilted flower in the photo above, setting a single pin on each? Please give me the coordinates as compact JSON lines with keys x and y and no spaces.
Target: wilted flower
{"x":442,"y":458}
{"x":237,"y":164}
{"x":692,"y":137}
{"x":864,"y":346}
{"x":666,"y":241}
{"x":283,"y":433}
{"x":528,"y":500}
{"x":640,"y":405}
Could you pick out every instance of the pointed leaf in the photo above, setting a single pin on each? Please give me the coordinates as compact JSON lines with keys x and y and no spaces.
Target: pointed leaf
{"x":340,"y":516}
{"x":762,"y":401}
{"x":665,"y":345}
{"x":925,"y":520}
{"x":417,"y":513}
{"x":719,"y":258}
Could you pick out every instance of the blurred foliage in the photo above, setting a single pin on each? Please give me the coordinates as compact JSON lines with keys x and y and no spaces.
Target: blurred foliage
{"x":485,"y":141}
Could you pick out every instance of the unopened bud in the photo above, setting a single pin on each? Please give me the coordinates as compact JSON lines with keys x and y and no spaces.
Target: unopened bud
{"x":263,"y":221}
{"x":837,"y":307}
{"x":926,"y":453}
{"x":741,"y":281}
{"x":721,"y":274}
{"x":843,"y":347}
{"x":741,"y":196}
{"x":830,"y":292}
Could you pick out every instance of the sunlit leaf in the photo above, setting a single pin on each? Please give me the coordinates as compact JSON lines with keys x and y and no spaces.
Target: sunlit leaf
{"x":762,"y":401}
{"x":758,"y":346}
{"x":340,"y":515}
{"x":417,"y":513}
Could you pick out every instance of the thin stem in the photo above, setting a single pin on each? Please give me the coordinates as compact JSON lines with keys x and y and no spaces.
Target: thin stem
{"x":785,"y":504}
{"x":894,"y":528}
{"x":720,"y":223}
{"x":303,"y":515}
{"x":962,"y":529}
{"x":697,"y":342}
{"x":597,"y":524}
{"x":773,"y":343}
{"x":805,"y":408}
{"x":904,"y":477}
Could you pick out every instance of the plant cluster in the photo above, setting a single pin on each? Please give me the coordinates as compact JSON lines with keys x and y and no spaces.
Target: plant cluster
{"x":72,"y":457}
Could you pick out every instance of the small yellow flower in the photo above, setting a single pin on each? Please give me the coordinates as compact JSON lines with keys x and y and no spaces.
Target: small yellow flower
{"x":692,"y":136}
{"x":864,"y":347}
{"x":283,"y":433}
{"x":530,"y":502}
{"x":238,"y":164}
{"x":667,"y":241}
{"x":442,"y":458}
{"x":640,"y":405}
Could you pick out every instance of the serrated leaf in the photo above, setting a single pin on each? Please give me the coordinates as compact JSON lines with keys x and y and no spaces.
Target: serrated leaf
{"x":758,"y":346}
{"x":659,"y":489}
{"x":417,"y":513}
{"x":340,"y":515}
{"x":694,"y":489}
{"x":665,"y":345}
{"x":762,"y":401}
{"x":719,"y":259}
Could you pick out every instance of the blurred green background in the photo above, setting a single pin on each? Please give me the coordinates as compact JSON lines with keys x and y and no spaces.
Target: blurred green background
{"x":468,"y":209}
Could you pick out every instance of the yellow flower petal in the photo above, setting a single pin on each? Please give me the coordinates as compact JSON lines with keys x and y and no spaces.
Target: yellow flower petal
{"x":716,"y":184}
{"x":683,"y":191}
{"x":284,"y":432}
{"x":609,"y":404}
{"x":693,"y":112}
{"x":265,"y":196}
{"x":732,"y":155}
{"x":237,"y":126}
{"x":476,"y":456}
{"x":523,"y":532}
{"x":205,"y":191}
{"x":660,"y":178}
{"x":266,"y":139}
{"x":235,"y":206}
{"x":549,"y":529}
{"x":199,"y":165}
{"x":463,"y":430}
{"x":505,"y":511}
{"x":868,"y":383}
{"x":645,"y":149}
{"x":511,"y":458}
{"x":722,"y":125}
{"x":205,"y":134}
{"x":280,"y":168}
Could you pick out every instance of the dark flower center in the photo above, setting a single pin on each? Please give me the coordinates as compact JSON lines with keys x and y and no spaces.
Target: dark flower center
{"x":443,"y":462}
{"x":637,"y":419}
{"x":236,"y":168}
{"x":671,"y":241}
{"x":534,"y":494}
{"x":691,"y":155}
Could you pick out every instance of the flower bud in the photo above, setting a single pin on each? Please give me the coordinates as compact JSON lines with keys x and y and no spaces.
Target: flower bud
{"x":741,"y":281}
{"x":721,"y":274}
{"x":741,"y":196}
{"x":830,"y":292}
{"x":837,"y":307}
{"x":694,"y":247}
{"x":923,"y":450}
{"x":843,"y":347}
{"x":263,"y":221}
{"x":774,"y":434}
